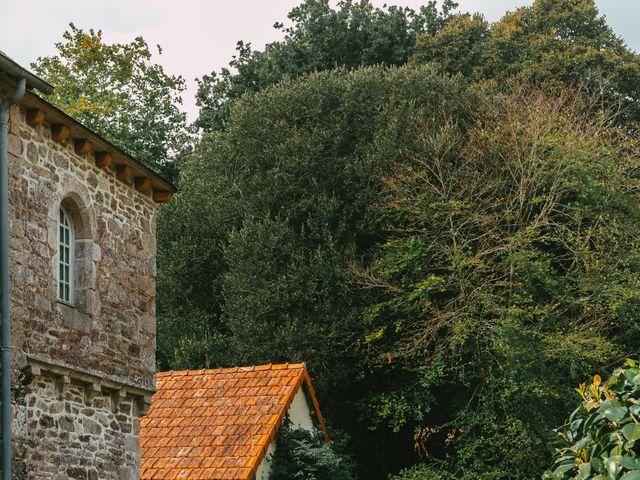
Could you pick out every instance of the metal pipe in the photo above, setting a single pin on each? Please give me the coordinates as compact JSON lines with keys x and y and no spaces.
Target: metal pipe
{"x":5,"y":106}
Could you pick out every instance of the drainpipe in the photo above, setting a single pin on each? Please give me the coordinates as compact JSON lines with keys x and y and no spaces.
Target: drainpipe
{"x":5,"y":106}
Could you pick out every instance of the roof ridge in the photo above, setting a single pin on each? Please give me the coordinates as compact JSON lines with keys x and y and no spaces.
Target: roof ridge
{"x":248,"y":368}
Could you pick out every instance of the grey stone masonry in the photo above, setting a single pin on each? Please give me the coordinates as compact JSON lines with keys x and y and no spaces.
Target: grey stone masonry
{"x":75,"y":432}
{"x":83,"y":371}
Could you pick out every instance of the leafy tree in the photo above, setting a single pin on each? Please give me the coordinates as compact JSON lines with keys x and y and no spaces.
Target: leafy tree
{"x":459,"y":47}
{"x":446,"y":258}
{"x":116,"y":90}
{"x":551,"y":43}
{"x":273,"y":213}
{"x":320,"y":38}
{"x":600,"y":440}
{"x":305,"y":455}
{"x":509,"y":270}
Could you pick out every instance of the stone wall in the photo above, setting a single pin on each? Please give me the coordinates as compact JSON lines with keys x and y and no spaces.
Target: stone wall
{"x":112,"y":331}
{"x":105,"y":342}
{"x":76,"y":433}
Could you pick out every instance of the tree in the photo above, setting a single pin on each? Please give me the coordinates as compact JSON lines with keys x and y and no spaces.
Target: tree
{"x":116,"y":90}
{"x":509,"y":271}
{"x":320,"y":38}
{"x":553,"y":44}
{"x":447,"y":253}
{"x":305,"y":455}
{"x":273,"y":212}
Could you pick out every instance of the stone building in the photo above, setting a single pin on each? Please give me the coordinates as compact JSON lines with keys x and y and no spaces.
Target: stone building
{"x":82,"y":219}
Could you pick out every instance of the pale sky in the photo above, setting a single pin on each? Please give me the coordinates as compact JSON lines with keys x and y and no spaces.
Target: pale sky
{"x":198,"y":36}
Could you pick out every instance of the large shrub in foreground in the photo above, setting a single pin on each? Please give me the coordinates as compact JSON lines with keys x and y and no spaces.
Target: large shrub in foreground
{"x":603,"y":434}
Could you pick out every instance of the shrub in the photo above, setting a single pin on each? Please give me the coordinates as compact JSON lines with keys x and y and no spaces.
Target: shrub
{"x":602,"y":434}
{"x":304,"y":455}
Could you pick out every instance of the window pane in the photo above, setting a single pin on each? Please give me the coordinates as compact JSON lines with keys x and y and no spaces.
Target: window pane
{"x":65,"y":260}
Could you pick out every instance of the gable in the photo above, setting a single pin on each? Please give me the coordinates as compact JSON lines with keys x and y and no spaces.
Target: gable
{"x":218,"y":424}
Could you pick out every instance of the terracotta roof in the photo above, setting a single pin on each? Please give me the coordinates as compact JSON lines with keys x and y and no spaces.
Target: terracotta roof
{"x":217,"y":424}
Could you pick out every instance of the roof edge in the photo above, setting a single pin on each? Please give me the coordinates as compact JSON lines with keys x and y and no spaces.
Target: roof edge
{"x":17,"y":71}
{"x":316,"y":405}
{"x":305,"y":379}
{"x":31,"y":100}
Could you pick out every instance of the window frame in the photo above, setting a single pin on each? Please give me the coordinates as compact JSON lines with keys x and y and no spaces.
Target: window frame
{"x":65,"y":271}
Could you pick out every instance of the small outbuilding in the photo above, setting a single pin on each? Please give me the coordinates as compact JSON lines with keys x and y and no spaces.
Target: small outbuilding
{"x":221,"y":424}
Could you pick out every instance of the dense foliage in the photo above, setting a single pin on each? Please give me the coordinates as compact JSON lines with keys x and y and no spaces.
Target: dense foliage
{"x":602,"y":434}
{"x":510,"y":269}
{"x":116,"y":90}
{"x":304,"y":455}
{"x":320,"y":38}
{"x":447,"y":259}
{"x":447,"y":254}
{"x":555,"y":43}
{"x":257,"y":250}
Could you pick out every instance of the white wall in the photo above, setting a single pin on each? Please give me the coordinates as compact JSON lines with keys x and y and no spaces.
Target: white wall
{"x":300,"y":416}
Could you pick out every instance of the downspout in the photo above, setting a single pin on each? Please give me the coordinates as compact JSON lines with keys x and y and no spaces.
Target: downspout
{"x":5,"y":106}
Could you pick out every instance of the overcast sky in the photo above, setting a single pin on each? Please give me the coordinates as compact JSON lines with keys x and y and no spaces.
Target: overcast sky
{"x":198,"y":36}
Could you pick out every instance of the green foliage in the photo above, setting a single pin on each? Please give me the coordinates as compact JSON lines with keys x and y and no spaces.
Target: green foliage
{"x":511,"y":247}
{"x":272,"y":214}
{"x":550,"y":43}
{"x":445,"y":258}
{"x":602,"y":434}
{"x":422,"y":472}
{"x":488,"y":243}
{"x":304,"y":455}
{"x":320,"y":38}
{"x":116,"y":90}
{"x":447,"y":255}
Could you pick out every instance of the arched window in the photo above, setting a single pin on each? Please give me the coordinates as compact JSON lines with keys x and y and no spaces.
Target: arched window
{"x":66,"y":242}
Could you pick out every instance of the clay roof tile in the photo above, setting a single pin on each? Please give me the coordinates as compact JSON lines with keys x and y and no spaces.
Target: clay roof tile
{"x":217,"y":424}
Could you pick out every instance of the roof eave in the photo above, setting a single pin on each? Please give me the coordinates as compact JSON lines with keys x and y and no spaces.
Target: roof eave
{"x":55,"y":115}
{"x":17,"y":71}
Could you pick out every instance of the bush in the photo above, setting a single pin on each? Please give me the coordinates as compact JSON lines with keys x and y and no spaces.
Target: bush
{"x":304,"y":455}
{"x":602,"y":434}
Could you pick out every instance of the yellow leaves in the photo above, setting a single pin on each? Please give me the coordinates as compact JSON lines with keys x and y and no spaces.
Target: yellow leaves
{"x":86,"y":41}
{"x":83,"y":105}
{"x":581,"y":391}
{"x":584,"y":456}
{"x":372,"y":337}
{"x":595,"y":386}
{"x":608,"y":393}
{"x":593,"y":394}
